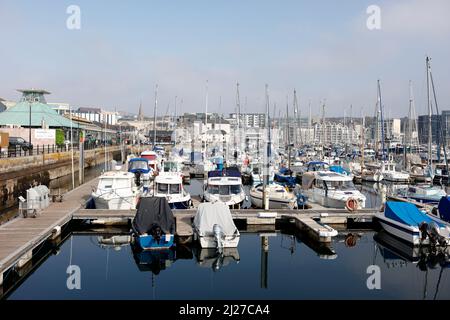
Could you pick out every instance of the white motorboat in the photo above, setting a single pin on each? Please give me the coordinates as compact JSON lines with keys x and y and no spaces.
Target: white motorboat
{"x":214,"y":226}
{"x":279,"y":197}
{"x":225,"y":186}
{"x":332,"y":190}
{"x":390,"y":172}
{"x":116,"y":190}
{"x":422,"y":193}
{"x":170,"y":186}
{"x":371,"y":172}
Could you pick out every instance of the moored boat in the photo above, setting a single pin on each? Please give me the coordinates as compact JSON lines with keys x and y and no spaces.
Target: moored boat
{"x":154,"y":224}
{"x":405,"y":221}
{"x":214,"y":226}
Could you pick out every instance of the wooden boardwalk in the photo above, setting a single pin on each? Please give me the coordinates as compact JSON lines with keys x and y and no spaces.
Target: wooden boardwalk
{"x":19,"y":237}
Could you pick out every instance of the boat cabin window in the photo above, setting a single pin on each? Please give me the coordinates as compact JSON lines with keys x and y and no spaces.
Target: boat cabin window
{"x":235,"y":189}
{"x":212,"y":189}
{"x":340,"y":185}
{"x":170,"y":166}
{"x":224,"y":190}
{"x":175,"y":188}
{"x":318,"y":167}
{"x":138,"y":165}
{"x":106,"y":183}
{"x":162,"y":188}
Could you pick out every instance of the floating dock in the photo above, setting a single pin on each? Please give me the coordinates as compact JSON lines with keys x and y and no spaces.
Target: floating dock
{"x":21,"y":238}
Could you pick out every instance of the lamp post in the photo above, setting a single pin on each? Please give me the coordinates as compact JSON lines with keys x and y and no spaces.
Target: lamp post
{"x":29,"y":129}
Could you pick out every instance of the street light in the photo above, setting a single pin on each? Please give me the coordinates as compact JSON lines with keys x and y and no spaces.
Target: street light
{"x":29,"y":129}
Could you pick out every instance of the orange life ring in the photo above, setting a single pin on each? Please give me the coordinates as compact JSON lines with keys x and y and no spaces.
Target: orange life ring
{"x":350,"y":240}
{"x":351,"y":205}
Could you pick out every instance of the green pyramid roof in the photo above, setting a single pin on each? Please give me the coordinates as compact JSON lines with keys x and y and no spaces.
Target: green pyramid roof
{"x":19,"y":115}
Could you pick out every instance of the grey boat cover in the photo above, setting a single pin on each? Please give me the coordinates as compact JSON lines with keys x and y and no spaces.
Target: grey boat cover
{"x":209,"y":214}
{"x":153,"y":211}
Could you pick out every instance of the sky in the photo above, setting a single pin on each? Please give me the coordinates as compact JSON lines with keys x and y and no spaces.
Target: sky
{"x":323,"y":49}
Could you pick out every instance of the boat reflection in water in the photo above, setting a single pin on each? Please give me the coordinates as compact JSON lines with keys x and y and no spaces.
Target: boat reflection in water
{"x":153,"y":260}
{"x":158,"y":260}
{"x":215,"y":259}
{"x":116,"y":242}
{"x":397,"y":253}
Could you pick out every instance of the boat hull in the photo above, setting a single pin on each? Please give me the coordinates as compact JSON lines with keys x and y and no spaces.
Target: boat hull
{"x":118,"y":203}
{"x":330,"y":202}
{"x":273,"y":203}
{"x":147,"y":242}
{"x":210,"y":241}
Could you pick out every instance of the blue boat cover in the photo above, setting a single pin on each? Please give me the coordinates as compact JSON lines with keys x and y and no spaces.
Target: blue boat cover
{"x":134,"y":170}
{"x":406,"y":213}
{"x":286,"y":180}
{"x":284,"y":171}
{"x":339,"y":169}
{"x":444,"y":208}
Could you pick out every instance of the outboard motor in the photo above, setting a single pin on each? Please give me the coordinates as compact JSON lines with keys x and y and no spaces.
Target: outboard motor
{"x":156,"y":232}
{"x":432,"y":232}
{"x":137,"y":178}
{"x":218,"y":234}
{"x":218,"y":262}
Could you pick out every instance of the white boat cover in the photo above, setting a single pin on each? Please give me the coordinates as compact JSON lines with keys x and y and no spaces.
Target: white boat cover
{"x":209,"y":214}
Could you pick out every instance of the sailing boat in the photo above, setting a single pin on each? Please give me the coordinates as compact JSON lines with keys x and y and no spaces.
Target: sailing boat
{"x":442,"y":170}
{"x":277,"y":196}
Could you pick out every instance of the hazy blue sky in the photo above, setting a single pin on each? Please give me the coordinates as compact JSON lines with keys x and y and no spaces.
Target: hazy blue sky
{"x":321,"y":48}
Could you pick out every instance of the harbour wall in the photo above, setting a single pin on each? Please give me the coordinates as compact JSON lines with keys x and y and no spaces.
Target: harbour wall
{"x":19,"y":174}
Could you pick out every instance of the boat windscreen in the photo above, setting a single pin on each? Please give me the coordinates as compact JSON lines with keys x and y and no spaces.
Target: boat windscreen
{"x":224,"y":190}
{"x":134,"y":165}
{"x":340,"y":185}
{"x":162,"y":188}
{"x":235,"y":189}
{"x":174,"y":188}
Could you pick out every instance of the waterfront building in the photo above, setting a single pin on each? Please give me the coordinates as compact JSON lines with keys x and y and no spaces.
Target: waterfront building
{"x":250,"y":120}
{"x":336,"y":133}
{"x":437,"y":122}
{"x":97,"y":115}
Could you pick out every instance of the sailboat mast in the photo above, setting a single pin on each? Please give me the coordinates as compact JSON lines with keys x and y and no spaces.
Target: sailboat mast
{"x":238,"y":106}
{"x":175,"y":121}
{"x":382,"y":120}
{"x":154,"y":117}
{"x":206,"y":121}
{"x":297,"y":120}
{"x":267,"y":151}
{"x":288,"y":134}
{"x":443,"y":139}
{"x":430,"y":141}
{"x":309,"y":122}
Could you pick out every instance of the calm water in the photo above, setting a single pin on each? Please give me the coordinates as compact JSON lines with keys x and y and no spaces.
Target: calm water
{"x":290,"y":269}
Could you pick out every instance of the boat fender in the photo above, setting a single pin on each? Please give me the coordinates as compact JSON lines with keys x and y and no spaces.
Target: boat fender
{"x":301,"y":200}
{"x":351,"y":205}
